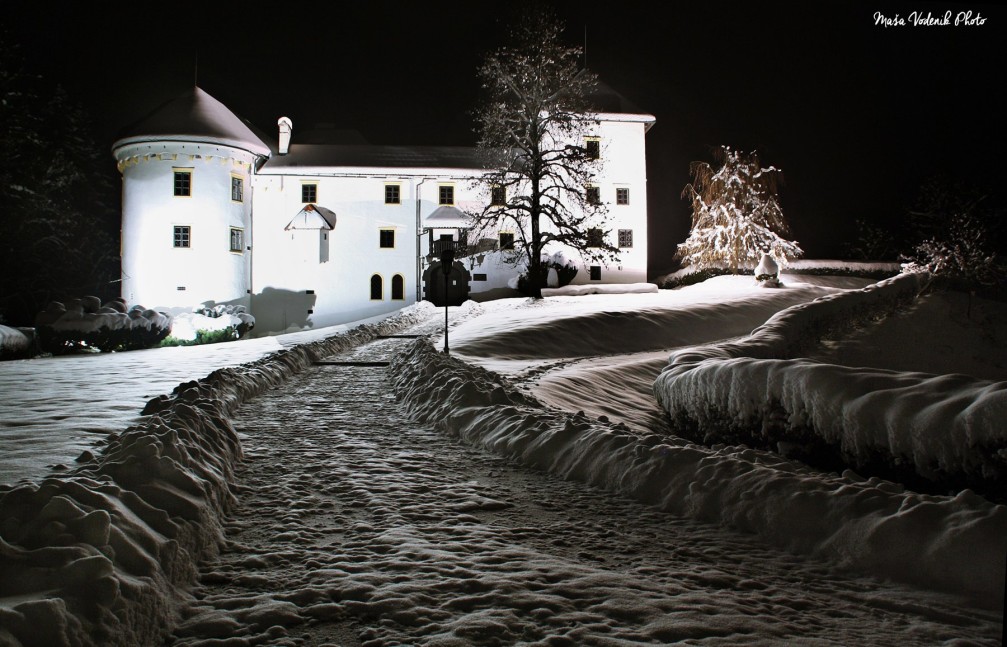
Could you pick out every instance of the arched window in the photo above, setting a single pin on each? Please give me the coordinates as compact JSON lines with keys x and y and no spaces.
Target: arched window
{"x":398,"y":288}
{"x":377,"y":290}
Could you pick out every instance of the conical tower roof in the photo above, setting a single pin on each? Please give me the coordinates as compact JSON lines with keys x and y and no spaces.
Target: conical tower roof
{"x":193,"y":117}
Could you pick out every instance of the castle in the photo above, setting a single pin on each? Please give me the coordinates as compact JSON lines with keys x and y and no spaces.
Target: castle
{"x":316,"y":234}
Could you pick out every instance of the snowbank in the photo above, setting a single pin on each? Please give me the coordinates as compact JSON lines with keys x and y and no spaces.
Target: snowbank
{"x":945,"y":429}
{"x":956,"y":544}
{"x":13,"y":343}
{"x":600,"y":288}
{"x":91,"y":557}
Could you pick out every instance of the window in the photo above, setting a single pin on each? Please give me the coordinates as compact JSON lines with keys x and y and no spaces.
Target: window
{"x":386,"y":238}
{"x":595,"y":272}
{"x":183,"y":183}
{"x":393,"y":194}
{"x":182,"y":236}
{"x":478,"y":277}
{"x":398,"y":288}
{"x":237,"y":188}
{"x":595,"y":237}
{"x":309,"y":193}
{"x":446,"y":195}
{"x":506,"y":240}
{"x":237,"y":240}
{"x":593,"y":195}
{"x":498,"y":196}
{"x":625,"y":238}
{"x":622,"y":196}
{"x":377,"y":290}
{"x":592,"y":148}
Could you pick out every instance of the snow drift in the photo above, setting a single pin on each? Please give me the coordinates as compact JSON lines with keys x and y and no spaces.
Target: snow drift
{"x":91,"y":557}
{"x":943,"y":430}
{"x":957,"y":543}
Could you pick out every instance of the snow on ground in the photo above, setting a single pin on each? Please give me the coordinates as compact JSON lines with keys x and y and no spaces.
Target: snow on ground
{"x":95,"y":555}
{"x":350,"y":532}
{"x":938,"y":323}
{"x":54,"y":408}
{"x":943,"y":429}
{"x":359,"y":526}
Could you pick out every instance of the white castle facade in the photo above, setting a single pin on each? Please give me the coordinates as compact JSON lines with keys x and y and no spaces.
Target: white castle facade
{"x":316,"y":234}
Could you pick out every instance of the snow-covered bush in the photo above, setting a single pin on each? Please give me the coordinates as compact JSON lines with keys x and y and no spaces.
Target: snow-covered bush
{"x":768,"y":272}
{"x":87,"y":324}
{"x":209,"y":325}
{"x":14,"y":344}
{"x":557,"y":269}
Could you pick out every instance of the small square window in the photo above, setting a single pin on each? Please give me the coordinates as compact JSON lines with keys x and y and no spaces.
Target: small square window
{"x":309,"y":193}
{"x":498,"y":196}
{"x":386,"y":238}
{"x":622,"y":195}
{"x":595,"y":272}
{"x":592,"y":148}
{"x":182,"y":236}
{"x":393,"y":194}
{"x":593,"y":195}
{"x":506,"y":240}
{"x":625,"y":238}
{"x":446,"y":195}
{"x":237,"y":189}
{"x":237,"y":240}
{"x":183,"y":183}
{"x":595,"y":237}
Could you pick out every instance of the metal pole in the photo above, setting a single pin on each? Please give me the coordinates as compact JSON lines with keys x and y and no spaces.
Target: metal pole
{"x":447,"y":278}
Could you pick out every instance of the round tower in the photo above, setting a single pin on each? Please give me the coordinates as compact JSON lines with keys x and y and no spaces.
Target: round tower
{"x":187,"y":204}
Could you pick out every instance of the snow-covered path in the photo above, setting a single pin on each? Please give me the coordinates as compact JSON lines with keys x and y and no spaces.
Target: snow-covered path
{"x":357,"y":526}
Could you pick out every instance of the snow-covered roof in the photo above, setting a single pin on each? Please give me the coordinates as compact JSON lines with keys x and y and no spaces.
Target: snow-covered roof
{"x":193,"y":117}
{"x":446,"y":216}
{"x":303,"y":156}
{"x":312,"y":216}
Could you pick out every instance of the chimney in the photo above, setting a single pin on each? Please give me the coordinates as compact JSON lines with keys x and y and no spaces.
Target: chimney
{"x":285,"y":127}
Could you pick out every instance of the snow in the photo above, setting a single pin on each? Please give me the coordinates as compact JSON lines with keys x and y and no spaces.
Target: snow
{"x":55,"y":408}
{"x":13,"y":342}
{"x":348,"y":524}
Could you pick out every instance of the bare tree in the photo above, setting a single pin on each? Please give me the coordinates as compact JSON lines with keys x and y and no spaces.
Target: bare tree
{"x":532,"y":127}
{"x":736,"y":216}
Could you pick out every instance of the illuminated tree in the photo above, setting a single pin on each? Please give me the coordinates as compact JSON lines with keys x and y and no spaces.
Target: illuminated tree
{"x":736,"y":216}
{"x":532,"y":127}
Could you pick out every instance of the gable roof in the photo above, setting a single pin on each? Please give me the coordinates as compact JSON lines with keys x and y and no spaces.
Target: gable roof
{"x":194,"y":116}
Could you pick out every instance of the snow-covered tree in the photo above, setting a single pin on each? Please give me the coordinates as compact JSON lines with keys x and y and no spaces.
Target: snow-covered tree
{"x":56,"y":214}
{"x":736,"y":216}
{"x":959,"y":256}
{"x":532,"y":127}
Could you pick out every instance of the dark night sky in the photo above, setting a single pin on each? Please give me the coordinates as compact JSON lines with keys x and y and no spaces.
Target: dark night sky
{"x":856,"y":115}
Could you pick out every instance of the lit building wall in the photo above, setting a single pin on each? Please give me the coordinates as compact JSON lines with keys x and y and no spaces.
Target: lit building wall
{"x":168,"y":268}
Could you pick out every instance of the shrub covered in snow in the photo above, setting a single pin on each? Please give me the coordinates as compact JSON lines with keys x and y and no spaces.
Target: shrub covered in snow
{"x":557,"y":270}
{"x":207,"y":325}
{"x":86,"y":323}
{"x":14,"y":344}
{"x":768,"y":272}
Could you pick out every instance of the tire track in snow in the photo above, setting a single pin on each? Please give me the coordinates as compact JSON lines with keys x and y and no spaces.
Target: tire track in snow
{"x":357,"y":526}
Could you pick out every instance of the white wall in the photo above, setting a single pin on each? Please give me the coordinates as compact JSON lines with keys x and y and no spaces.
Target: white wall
{"x":153,"y":269}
